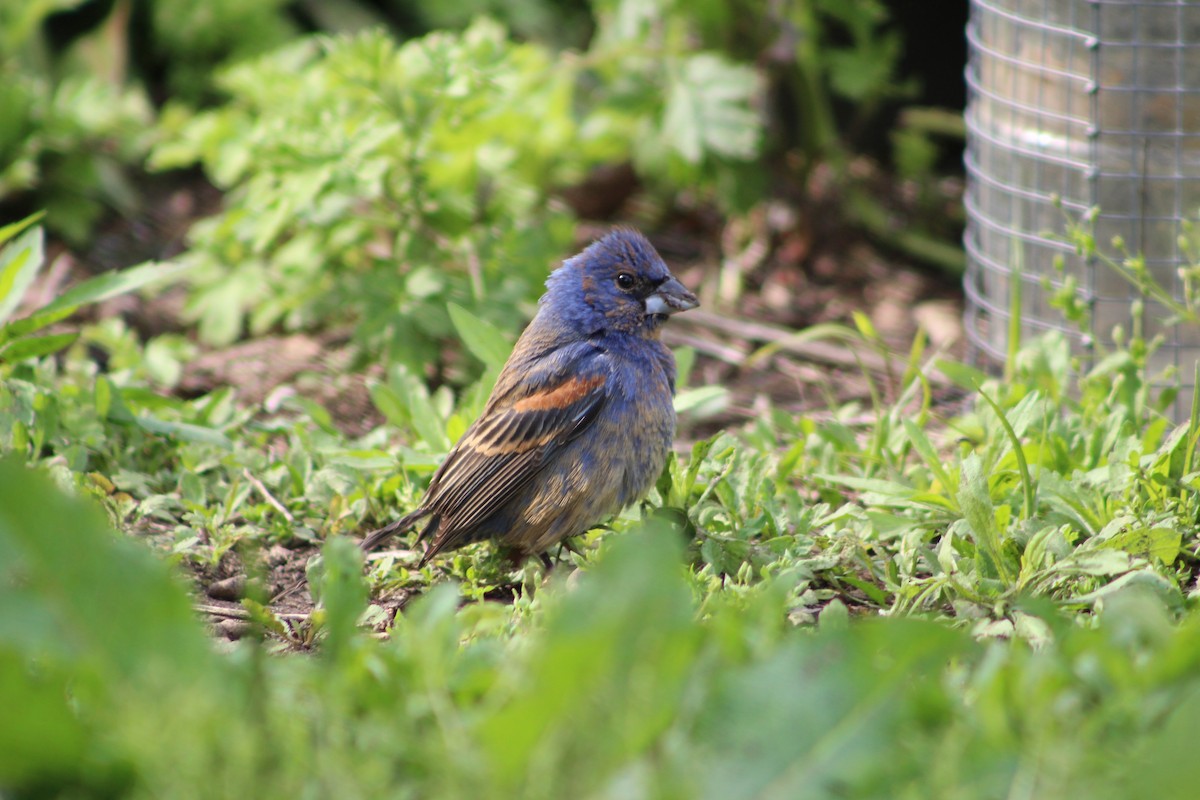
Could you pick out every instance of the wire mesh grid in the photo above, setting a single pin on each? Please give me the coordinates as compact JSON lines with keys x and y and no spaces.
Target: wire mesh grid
{"x":1075,"y":105}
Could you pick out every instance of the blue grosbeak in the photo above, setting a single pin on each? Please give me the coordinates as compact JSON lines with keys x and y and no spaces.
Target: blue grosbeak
{"x":581,"y":418}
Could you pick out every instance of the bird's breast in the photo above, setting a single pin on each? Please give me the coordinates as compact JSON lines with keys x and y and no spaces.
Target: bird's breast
{"x":641,"y":426}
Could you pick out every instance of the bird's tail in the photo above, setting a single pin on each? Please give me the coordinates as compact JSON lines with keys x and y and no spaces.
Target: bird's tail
{"x":399,"y":526}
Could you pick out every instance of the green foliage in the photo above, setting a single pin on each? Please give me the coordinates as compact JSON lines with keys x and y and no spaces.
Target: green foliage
{"x":1016,"y":499}
{"x":820,"y":55}
{"x":376,"y":182}
{"x":76,"y":121}
{"x":687,"y":115}
{"x":865,"y":602}
{"x":20,"y":260}
{"x":621,"y":688}
{"x":192,"y":39}
{"x":68,"y":142}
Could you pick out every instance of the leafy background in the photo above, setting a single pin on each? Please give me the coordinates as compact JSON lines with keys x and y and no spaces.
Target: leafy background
{"x":260,"y":265}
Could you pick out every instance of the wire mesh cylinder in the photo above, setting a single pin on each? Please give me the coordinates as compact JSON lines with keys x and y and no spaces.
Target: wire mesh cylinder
{"x":1074,"y":105}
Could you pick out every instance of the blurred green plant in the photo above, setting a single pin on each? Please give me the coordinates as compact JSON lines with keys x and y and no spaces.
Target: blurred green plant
{"x":622,"y":687}
{"x":67,"y":133}
{"x":21,"y":258}
{"x":689,"y":116}
{"x":831,"y":64}
{"x":76,"y":77}
{"x":376,"y":183}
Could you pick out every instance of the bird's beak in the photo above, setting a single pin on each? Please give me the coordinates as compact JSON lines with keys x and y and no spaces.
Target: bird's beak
{"x":670,"y":297}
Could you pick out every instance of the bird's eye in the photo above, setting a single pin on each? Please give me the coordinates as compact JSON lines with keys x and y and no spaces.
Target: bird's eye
{"x":625,"y":280}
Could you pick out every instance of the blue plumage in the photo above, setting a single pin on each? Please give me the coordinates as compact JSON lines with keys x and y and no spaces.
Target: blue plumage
{"x":581,"y":418}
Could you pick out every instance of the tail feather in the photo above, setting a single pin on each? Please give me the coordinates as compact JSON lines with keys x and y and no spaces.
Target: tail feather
{"x":432,"y":550}
{"x":399,"y":526}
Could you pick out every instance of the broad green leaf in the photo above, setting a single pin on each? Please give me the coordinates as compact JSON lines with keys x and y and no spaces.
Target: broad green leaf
{"x":928,"y":454}
{"x":19,"y":264}
{"x":184,"y":431}
{"x":364,"y":459}
{"x":633,"y":601}
{"x":980,"y":514}
{"x":36,"y":346}
{"x":703,"y":401}
{"x":961,"y":375}
{"x":708,"y":109}
{"x":50,"y":739}
{"x":1097,"y":562}
{"x":108,"y":598}
{"x":1146,"y":580}
{"x":13,"y":228}
{"x":485,"y":341}
{"x":405,"y":401}
{"x":34,"y":322}
{"x":762,"y":732}
{"x":343,"y":594}
{"x":1162,"y":544}
{"x":877,"y":485}
{"x":389,"y":403}
{"x":111,"y":284}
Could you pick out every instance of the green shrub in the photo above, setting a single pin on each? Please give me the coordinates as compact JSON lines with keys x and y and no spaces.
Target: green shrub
{"x":376,"y":182}
{"x":76,"y":121}
{"x":620,"y":687}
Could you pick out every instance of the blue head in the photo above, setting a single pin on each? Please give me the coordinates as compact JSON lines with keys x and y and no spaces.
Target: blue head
{"x":620,"y":284}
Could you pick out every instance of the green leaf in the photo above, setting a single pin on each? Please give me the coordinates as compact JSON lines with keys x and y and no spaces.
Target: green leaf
{"x":34,"y":322}
{"x":1141,"y":580}
{"x":633,"y":601}
{"x":928,"y":454}
{"x":343,"y":593}
{"x":1029,"y":488}
{"x":13,"y":228}
{"x":184,"y":431}
{"x":976,"y":504}
{"x":485,"y":341}
{"x":389,"y":403}
{"x":1162,"y":544}
{"x":111,"y":284}
{"x":50,"y":738}
{"x":19,"y":264}
{"x":961,"y":375}
{"x":36,"y":346}
{"x":405,"y":402}
{"x":703,"y":401}
{"x":1097,"y":562}
{"x":106,"y":598}
{"x":708,"y":109}
{"x":877,"y":485}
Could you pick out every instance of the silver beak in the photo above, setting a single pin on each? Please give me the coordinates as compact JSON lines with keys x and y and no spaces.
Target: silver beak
{"x":670,"y":297}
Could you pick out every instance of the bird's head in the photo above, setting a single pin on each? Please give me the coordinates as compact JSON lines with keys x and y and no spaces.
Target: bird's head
{"x":619,"y":283}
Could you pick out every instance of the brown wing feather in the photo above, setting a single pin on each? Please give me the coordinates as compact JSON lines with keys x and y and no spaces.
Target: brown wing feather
{"x":502,"y":452}
{"x":518,"y":434}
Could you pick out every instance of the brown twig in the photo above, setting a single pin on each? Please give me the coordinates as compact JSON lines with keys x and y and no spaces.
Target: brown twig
{"x":787,"y":340}
{"x":235,"y":612}
{"x":722,"y":352}
{"x":270,"y":498}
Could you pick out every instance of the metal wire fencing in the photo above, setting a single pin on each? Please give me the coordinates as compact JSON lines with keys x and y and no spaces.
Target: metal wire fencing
{"x":1075,"y":105}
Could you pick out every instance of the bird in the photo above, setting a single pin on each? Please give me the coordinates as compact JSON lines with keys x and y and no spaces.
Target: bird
{"x":581,"y":417}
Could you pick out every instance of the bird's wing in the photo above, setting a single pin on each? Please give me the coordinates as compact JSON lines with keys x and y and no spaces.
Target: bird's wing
{"x":520,"y":432}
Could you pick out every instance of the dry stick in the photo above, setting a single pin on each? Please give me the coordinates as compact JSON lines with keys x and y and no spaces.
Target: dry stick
{"x":379,"y":555}
{"x":278,"y":506}
{"x":825,"y":352}
{"x":240,"y":613}
{"x":722,"y":352}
